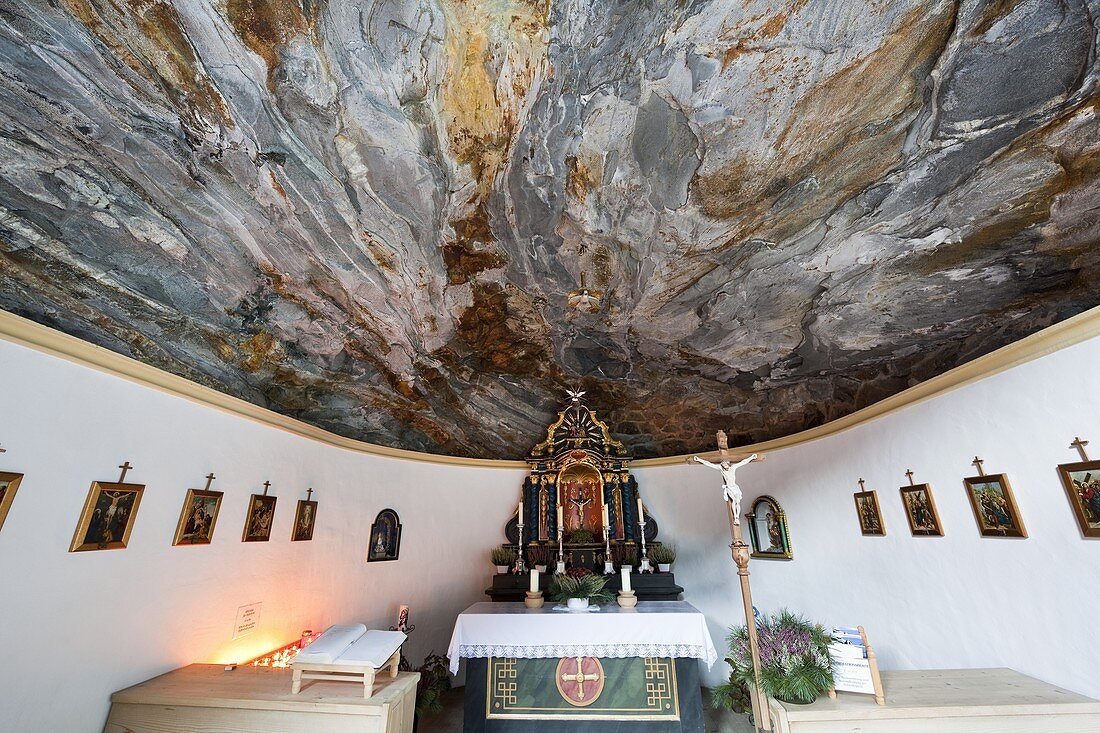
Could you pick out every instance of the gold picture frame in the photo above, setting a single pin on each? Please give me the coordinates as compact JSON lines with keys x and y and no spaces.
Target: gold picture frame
{"x":920,"y":510}
{"x":1082,"y":482}
{"x":994,"y":506}
{"x":198,"y":517}
{"x":108,"y":517}
{"x":9,"y":484}
{"x":767,"y":519}
{"x":259,"y":519}
{"x":869,"y":514}
{"x":305,"y":518}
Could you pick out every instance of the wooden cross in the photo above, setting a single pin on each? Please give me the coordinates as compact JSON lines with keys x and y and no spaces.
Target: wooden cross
{"x":209,"y":480}
{"x":125,"y":467}
{"x":909,"y":475}
{"x":1080,"y":446}
{"x":309,"y":493}
{"x":979,"y":462}
{"x":861,"y":482}
{"x":267,"y":485}
{"x":580,"y":678}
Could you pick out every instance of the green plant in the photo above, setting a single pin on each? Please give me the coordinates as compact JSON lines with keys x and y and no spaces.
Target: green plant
{"x":663,"y":554}
{"x":581,"y":537}
{"x":564,"y":587}
{"x":538,"y":555}
{"x":502,"y":556}
{"x":733,"y":695}
{"x":624,"y":555}
{"x":435,"y":679}
{"x":794,"y":658}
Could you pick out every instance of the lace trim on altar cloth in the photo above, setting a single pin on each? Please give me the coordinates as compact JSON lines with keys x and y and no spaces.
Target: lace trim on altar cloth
{"x":613,"y":651}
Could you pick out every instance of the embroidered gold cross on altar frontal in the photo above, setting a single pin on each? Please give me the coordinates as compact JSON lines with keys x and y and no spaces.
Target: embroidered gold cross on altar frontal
{"x":580,"y":678}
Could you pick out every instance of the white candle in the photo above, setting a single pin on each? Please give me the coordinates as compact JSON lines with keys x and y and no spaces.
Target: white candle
{"x":641,"y":512}
{"x":519,"y":512}
{"x":626,"y":578}
{"x":606,"y":521}
{"x":560,"y":527}
{"x":534,"y":581}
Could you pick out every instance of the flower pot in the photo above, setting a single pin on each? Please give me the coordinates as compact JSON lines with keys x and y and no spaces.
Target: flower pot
{"x":577,"y":604}
{"x":502,"y":569}
{"x":664,"y":567}
{"x":540,"y":568}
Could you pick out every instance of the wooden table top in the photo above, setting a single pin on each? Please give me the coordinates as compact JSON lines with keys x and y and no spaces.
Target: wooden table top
{"x":263,"y":688}
{"x":946,"y":693}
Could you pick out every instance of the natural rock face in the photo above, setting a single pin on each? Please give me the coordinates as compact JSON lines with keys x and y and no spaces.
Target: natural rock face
{"x":367,"y":215}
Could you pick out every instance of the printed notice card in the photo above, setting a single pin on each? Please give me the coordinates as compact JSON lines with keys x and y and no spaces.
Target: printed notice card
{"x":247,"y":619}
{"x":851,"y":669}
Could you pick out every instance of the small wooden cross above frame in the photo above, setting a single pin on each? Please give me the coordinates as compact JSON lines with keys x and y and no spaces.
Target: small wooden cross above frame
{"x":909,"y":475}
{"x":1080,"y":446}
{"x":979,"y":463}
{"x":267,"y":485}
{"x":209,"y":480}
{"x":861,"y":483}
{"x":309,"y":493}
{"x":125,"y":469}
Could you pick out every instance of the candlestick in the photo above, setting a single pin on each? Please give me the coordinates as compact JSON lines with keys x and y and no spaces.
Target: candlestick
{"x":534,"y":581}
{"x":626,"y":579}
{"x":533,"y":600}
{"x":402,"y":618}
{"x":521,"y":564}
{"x":608,"y":566}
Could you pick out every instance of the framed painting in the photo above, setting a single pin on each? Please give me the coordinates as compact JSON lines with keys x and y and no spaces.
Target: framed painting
{"x":768,"y":530}
{"x":108,"y":517}
{"x":994,"y":506}
{"x":920,"y":510}
{"x":260,"y":517}
{"x":385,"y":537}
{"x":9,"y":484}
{"x":197,"y":518}
{"x":869,"y":514}
{"x":304,"y":519}
{"x":1082,"y":482}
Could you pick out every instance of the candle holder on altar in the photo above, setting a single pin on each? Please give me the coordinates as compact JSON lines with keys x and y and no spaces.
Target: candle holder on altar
{"x":520,"y":568}
{"x":561,"y":551}
{"x":608,"y":565}
{"x":644,"y":567}
{"x":627,"y":599}
{"x":533,"y":600}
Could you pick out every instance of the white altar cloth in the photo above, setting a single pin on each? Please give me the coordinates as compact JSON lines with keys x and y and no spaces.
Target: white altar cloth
{"x":650,"y":629}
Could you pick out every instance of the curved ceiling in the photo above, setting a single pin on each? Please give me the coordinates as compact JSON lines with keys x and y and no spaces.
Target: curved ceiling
{"x":369,"y":215}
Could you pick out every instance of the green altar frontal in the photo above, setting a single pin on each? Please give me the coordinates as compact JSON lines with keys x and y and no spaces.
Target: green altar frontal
{"x":652,"y":694}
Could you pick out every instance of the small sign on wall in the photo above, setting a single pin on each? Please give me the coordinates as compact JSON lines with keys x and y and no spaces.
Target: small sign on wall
{"x":248,"y":617}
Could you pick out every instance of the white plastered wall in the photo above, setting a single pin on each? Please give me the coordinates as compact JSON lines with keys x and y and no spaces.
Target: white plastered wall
{"x":958,"y":601}
{"x":74,"y":627}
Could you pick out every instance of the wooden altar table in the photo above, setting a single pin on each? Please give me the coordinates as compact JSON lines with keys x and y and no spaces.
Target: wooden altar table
{"x":205,"y":697}
{"x":550,"y":671}
{"x":946,"y":701}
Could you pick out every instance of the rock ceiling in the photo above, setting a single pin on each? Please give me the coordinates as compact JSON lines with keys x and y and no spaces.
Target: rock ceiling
{"x":368,"y":215}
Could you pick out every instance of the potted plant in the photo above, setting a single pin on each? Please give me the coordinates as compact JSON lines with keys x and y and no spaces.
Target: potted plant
{"x":503,"y":558}
{"x":539,"y":557}
{"x":794,"y":658}
{"x":578,"y":591}
{"x":581,"y":537}
{"x":435,"y":679}
{"x":624,"y":555}
{"x":664,"y":556}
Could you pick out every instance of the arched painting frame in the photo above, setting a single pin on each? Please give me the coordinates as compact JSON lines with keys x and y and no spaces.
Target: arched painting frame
{"x":385,"y":537}
{"x":768,"y":530}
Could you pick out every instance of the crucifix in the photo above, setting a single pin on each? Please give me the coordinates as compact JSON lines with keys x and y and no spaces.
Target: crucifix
{"x":309,"y":493}
{"x":909,"y":475}
{"x":979,"y":463}
{"x":209,"y":480}
{"x":580,"y":678}
{"x":125,"y":468}
{"x":861,"y":485}
{"x":1080,"y":446}
{"x":267,"y":485}
{"x":740,"y":550}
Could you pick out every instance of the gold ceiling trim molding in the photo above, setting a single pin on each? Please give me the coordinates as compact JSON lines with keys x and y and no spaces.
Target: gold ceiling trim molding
{"x":16,"y":329}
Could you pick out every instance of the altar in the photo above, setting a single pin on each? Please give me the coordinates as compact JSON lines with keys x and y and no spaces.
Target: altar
{"x":551,"y":671}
